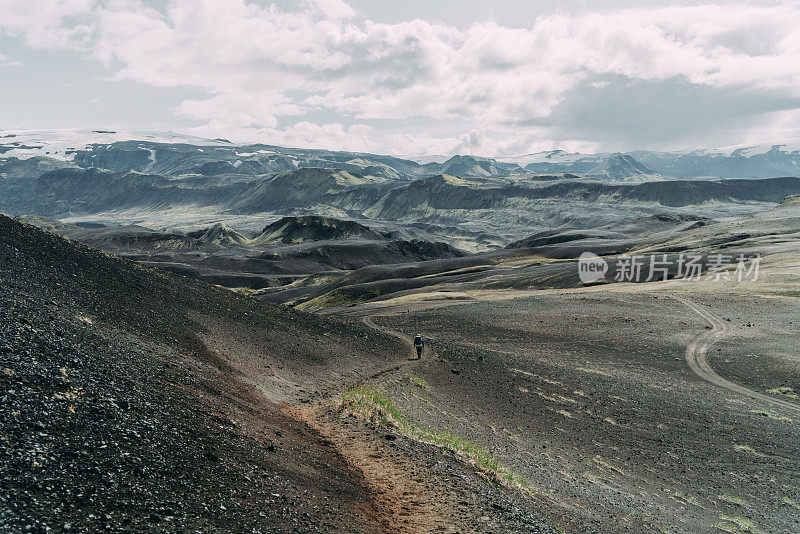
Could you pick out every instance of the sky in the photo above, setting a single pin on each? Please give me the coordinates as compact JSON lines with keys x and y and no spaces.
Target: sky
{"x":416,"y":77}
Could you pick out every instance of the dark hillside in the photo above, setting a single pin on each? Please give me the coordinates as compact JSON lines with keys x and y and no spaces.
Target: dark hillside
{"x":314,"y":228}
{"x":124,"y":405}
{"x":674,"y":192}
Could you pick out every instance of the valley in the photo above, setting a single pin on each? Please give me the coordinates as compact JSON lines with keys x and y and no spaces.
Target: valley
{"x":183,"y":314}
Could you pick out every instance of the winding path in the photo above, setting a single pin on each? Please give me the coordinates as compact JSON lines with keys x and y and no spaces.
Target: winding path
{"x":408,"y":342}
{"x":398,"y":483}
{"x":696,"y":357}
{"x":368,"y":320}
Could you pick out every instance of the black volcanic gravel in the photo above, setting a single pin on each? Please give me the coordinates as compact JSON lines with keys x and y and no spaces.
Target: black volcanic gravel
{"x":106,"y":430}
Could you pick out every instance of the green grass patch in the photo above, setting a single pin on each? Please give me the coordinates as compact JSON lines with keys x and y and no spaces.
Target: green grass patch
{"x":377,"y":407}
{"x":734,"y":525}
{"x":786,"y":391}
{"x":418,"y":393}
{"x":733,"y":499}
{"x":329,"y":300}
{"x":417,"y":381}
{"x":686,"y":498}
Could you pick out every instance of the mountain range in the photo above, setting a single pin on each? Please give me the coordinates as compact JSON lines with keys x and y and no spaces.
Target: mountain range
{"x":169,"y":153}
{"x":182,"y":184}
{"x":151,"y":383}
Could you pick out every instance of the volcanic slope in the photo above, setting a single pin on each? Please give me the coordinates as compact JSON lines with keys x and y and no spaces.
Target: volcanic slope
{"x":311,"y":228}
{"x":286,"y":251}
{"x":135,"y":399}
{"x":546,"y":260}
{"x":668,"y":406}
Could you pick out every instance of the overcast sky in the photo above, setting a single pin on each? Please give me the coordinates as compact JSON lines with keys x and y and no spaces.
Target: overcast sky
{"x":411,"y":77}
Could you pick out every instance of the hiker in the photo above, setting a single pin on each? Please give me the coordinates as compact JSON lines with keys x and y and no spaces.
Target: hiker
{"x":418,"y":344}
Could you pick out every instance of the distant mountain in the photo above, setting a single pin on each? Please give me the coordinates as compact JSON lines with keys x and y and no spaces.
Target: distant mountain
{"x":442,"y":198}
{"x":314,"y":228}
{"x":302,"y":187}
{"x":765,"y":161}
{"x":76,"y":190}
{"x":174,"y":154}
{"x":370,"y":168}
{"x":471,"y":166}
{"x":558,"y":161}
{"x":621,"y":167}
{"x":249,"y":167}
{"x":447,"y":193}
{"x":178,"y":155}
{"x":178,"y":183}
{"x":220,"y":234}
{"x":442,"y":192}
{"x":751,"y":162}
{"x":31,"y":167}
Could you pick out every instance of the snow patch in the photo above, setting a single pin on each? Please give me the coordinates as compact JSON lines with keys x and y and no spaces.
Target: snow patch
{"x":61,"y":144}
{"x":151,"y":158}
{"x":747,"y":151}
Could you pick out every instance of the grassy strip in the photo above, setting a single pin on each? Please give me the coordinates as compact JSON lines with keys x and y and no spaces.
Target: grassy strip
{"x":786,"y":391}
{"x":419,"y":382}
{"x":328,"y":300}
{"x":376,"y":406}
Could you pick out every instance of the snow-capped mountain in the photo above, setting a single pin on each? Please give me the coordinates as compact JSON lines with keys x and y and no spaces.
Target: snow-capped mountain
{"x":172,"y":153}
{"x":63,"y":144}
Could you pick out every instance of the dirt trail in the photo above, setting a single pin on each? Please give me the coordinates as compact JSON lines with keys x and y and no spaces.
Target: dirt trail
{"x":696,"y":357}
{"x":368,"y":320}
{"x":427,"y":353}
{"x":400,"y":488}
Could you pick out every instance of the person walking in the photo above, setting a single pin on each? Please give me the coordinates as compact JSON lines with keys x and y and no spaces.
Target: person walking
{"x":419,"y":343}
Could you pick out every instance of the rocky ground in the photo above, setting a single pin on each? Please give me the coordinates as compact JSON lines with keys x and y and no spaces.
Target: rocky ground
{"x":138,"y":400}
{"x":589,"y":395}
{"x":112,"y":428}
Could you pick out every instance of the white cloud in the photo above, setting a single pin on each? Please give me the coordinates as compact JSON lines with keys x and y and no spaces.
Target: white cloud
{"x":267,"y":71}
{"x":49,"y":23}
{"x":5,"y":61}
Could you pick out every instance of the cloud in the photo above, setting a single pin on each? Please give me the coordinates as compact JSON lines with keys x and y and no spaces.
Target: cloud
{"x":264,"y":70}
{"x":49,"y":23}
{"x":5,"y":61}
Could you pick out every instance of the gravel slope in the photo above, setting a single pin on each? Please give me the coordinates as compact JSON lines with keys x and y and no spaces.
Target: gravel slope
{"x":589,"y":396}
{"x":137,"y":400}
{"x":116,"y":416}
